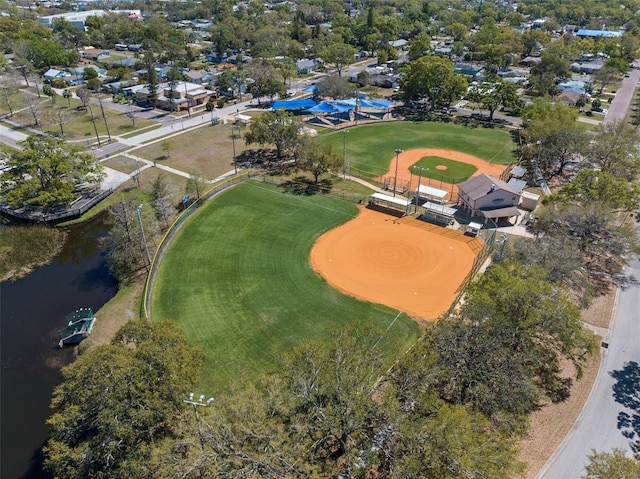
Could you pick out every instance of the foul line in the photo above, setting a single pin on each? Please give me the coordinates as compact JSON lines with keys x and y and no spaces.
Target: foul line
{"x":388,"y":328}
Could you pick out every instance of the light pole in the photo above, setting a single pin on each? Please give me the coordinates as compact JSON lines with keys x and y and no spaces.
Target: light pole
{"x":395,"y":178}
{"x":344,"y":153}
{"x":95,"y":128}
{"x":144,"y":239}
{"x":196,"y":404}
{"x":233,"y":141}
{"x":104,"y":117}
{"x":503,"y":238}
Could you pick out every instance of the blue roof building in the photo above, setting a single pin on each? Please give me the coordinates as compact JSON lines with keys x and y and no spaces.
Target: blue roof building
{"x":597,"y":33}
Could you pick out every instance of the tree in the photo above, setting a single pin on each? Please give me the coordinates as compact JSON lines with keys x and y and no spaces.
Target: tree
{"x":120,"y":401}
{"x":340,"y":55}
{"x":84,"y":94}
{"x":504,"y":348}
{"x":50,"y":92}
{"x":614,"y":150}
{"x":88,"y":73}
{"x":275,"y":128}
{"x":335,"y":87}
{"x":267,"y":85}
{"x":166,"y":146}
{"x":128,"y":241}
{"x":420,"y":46}
{"x":33,"y":104}
{"x":553,"y":136}
{"x":196,"y":184}
{"x":318,"y":159}
{"x":605,"y":76}
{"x":432,"y":77}
{"x":494,"y":96}
{"x":593,"y":187}
{"x":327,"y":389}
{"x":67,"y":95}
{"x":95,"y":84}
{"x":161,"y":198}
{"x":603,"y":238}
{"x":611,"y":465}
{"x":46,"y":171}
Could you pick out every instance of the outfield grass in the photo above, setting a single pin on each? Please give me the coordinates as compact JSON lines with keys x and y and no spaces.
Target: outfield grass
{"x":456,"y":171}
{"x":237,"y":278}
{"x":371,"y":148}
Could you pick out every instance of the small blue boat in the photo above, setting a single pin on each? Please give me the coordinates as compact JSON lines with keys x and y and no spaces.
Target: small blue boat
{"x":80,"y":324}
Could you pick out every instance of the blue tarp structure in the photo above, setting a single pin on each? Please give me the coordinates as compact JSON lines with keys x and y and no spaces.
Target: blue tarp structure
{"x":323,"y":107}
{"x":310,"y":88}
{"x":367,"y":103}
{"x":289,"y":105}
{"x":330,"y":107}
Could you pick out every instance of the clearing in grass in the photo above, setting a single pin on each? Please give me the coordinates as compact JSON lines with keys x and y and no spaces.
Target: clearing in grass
{"x":238,"y":279}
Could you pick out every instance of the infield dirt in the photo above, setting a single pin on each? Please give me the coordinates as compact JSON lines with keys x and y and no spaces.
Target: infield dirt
{"x":410,"y":157}
{"x":403,"y":263}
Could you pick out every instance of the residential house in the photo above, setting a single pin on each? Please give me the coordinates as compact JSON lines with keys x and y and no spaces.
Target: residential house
{"x":95,"y":54}
{"x":588,"y":68}
{"x":201,"y":77}
{"x":402,"y":43}
{"x":52,"y":74}
{"x":304,"y":67}
{"x":176,"y":96}
{"x":489,"y":197}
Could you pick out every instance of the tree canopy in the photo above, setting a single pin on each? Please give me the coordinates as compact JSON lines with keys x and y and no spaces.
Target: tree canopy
{"x":117,"y":401}
{"x":46,"y":172}
{"x":277,"y":128}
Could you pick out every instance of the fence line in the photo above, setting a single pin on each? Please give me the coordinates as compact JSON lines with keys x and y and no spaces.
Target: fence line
{"x":173,"y":229}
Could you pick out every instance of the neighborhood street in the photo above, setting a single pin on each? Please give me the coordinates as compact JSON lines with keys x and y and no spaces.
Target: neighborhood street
{"x":611,"y":417}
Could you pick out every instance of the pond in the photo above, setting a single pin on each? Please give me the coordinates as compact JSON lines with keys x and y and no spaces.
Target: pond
{"x":32,"y":310}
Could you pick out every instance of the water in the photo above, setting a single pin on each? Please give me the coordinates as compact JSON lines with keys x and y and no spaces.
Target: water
{"x":31,"y":312}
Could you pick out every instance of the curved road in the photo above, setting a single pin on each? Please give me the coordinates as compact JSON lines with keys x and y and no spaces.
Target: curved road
{"x":607,"y":419}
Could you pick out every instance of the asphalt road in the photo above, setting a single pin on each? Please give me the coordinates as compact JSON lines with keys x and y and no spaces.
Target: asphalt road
{"x":611,"y":416}
{"x":624,"y":96}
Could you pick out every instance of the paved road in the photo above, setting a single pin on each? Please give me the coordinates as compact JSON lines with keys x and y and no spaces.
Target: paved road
{"x":624,"y":96}
{"x":614,"y":398}
{"x":11,"y":137}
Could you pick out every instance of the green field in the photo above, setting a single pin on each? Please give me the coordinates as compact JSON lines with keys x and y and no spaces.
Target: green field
{"x":371,"y":148}
{"x":237,"y":278}
{"x":456,"y":171}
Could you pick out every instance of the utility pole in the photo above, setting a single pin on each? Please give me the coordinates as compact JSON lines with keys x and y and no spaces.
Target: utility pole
{"x":144,"y":239}
{"x":104,"y":117}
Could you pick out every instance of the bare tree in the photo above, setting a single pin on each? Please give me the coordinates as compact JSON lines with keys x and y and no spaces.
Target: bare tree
{"x":33,"y":104}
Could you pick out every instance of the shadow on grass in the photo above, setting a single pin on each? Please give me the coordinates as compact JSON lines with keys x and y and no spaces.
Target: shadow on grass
{"x":306,"y":186}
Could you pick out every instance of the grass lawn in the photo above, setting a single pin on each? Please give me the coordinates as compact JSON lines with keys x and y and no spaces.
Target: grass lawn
{"x":456,"y":171}
{"x":237,"y":278}
{"x":208,"y":149}
{"x":370,"y":148}
{"x":77,"y":122}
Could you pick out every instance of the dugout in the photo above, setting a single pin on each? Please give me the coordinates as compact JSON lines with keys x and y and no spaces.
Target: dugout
{"x":438,"y":213}
{"x":383,"y":202}
{"x":434,"y":195}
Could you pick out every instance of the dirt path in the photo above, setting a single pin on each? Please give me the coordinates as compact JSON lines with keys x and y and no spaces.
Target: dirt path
{"x":403,"y":263}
